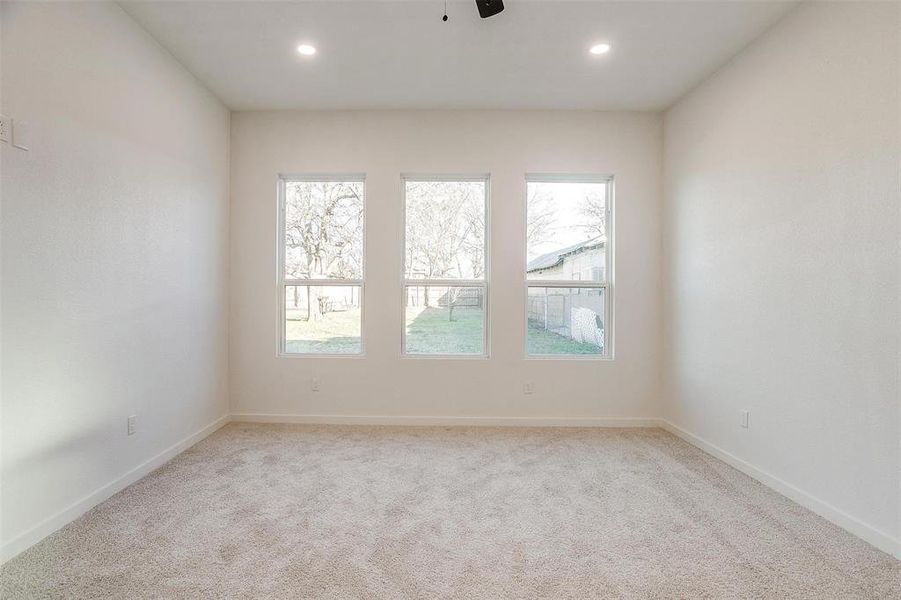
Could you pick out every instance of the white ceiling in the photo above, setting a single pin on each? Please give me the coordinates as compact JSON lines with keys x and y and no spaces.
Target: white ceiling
{"x":376,"y":54}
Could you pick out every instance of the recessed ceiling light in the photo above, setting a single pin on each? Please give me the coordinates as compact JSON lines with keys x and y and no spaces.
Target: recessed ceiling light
{"x":600,"y":49}
{"x":306,"y":50}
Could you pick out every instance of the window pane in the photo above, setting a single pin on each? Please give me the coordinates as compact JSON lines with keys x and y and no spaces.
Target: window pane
{"x":566,"y":235}
{"x":322,"y":319}
{"x":445,"y":320}
{"x":445,"y":230}
{"x":565,"y":321}
{"x":324,"y":229}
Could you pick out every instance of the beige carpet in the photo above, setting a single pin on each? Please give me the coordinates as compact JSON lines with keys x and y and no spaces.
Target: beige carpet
{"x":272,"y":511}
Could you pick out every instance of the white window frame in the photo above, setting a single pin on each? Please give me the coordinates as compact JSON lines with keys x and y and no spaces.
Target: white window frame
{"x":283,"y":282}
{"x":606,"y":285}
{"x":470,"y":283}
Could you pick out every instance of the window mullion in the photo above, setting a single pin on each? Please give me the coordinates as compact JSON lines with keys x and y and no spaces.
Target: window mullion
{"x":567,"y":284}
{"x":322,"y":282}
{"x":446,"y":282}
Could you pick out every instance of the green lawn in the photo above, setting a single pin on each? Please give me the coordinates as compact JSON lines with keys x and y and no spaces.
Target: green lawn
{"x":430,"y":331}
{"x":540,"y":341}
{"x":334,"y":333}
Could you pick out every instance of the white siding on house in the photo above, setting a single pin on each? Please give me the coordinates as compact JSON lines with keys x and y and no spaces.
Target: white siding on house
{"x":583,"y":266}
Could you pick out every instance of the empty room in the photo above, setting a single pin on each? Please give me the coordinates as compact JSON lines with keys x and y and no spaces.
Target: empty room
{"x":450,"y":299}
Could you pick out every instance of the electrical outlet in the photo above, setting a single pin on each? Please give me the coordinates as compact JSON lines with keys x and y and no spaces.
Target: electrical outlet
{"x":132,"y":424}
{"x":314,"y":384}
{"x":745,"y":418}
{"x":528,"y":387}
{"x":6,"y":128}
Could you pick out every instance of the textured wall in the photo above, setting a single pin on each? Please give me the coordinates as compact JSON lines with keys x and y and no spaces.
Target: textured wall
{"x":113,"y":254}
{"x":385,"y":144}
{"x":781,"y":257}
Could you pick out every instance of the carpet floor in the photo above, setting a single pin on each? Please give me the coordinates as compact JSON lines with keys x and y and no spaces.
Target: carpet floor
{"x":289,"y":511}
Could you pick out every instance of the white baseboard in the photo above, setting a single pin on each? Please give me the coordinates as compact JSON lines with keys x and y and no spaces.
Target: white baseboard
{"x":446,"y":421}
{"x":879,"y":539}
{"x":34,"y":535}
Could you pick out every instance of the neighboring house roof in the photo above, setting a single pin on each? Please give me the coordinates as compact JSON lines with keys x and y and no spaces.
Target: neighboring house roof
{"x":555,"y":258}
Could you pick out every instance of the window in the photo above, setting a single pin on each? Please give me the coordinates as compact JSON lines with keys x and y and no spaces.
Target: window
{"x":445,"y":266}
{"x":321,"y":225}
{"x":569,"y":239}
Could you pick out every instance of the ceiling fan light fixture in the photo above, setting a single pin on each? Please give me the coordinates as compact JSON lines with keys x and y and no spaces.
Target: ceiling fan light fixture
{"x":489,"y":8}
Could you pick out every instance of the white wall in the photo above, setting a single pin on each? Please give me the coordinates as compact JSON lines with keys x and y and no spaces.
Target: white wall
{"x":385,"y":144}
{"x":114,"y":271}
{"x":781,"y":260}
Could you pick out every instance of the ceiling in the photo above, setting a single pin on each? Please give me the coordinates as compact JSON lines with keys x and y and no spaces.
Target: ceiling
{"x":379,"y":54}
